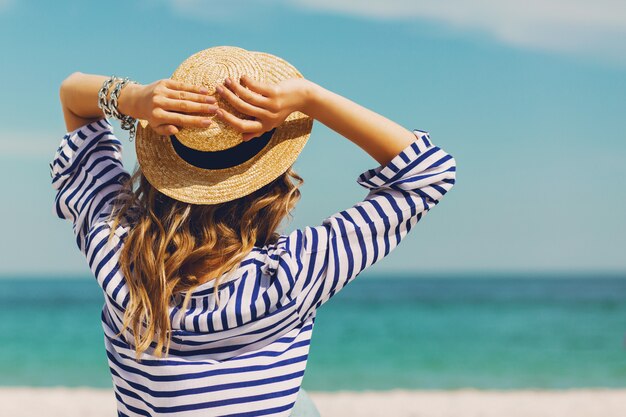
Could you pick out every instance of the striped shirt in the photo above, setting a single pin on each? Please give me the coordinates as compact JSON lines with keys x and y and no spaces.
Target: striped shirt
{"x":247,"y":357}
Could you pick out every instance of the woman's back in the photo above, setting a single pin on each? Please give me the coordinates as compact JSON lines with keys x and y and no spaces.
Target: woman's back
{"x":246,"y":355}
{"x":250,"y":354}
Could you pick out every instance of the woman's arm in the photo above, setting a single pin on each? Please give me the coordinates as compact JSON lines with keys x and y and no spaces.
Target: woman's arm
{"x":87,"y":170}
{"x":79,"y":99}
{"x":380,"y":137}
{"x":377,"y":135}
{"x":162,"y":103}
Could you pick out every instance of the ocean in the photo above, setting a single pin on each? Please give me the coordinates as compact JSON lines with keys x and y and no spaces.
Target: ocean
{"x":377,"y":333}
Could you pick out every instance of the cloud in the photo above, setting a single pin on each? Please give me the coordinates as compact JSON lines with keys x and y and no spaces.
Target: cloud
{"x":597,"y":27}
{"x":546,"y":24}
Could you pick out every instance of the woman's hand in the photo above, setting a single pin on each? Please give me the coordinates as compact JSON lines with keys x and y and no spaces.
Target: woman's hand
{"x":269,"y":104}
{"x":168,"y":105}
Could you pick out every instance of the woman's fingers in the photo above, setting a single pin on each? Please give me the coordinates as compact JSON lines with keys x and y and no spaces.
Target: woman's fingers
{"x":264,"y":89}
{"x":241,"y":125}
{"x":246,"y":94}
{"x":187,"y":106}
{"x":183,"y":86}
{"x":166,"y":129}
{"x":186,"y":95}
{"x":239,"y":104}
{"x":179,"y":119}
{"x":248,"y":136}
{"x":184,"y":104}
{"x":179,"y":90}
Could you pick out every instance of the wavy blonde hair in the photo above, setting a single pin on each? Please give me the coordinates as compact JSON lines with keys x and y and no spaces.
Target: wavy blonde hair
{"x":173,"y":246}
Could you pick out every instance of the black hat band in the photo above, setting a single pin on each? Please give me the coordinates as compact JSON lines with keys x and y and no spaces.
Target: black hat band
{"x":226,"y":158}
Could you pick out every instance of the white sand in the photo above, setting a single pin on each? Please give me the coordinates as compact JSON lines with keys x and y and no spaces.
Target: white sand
{"x":474,"y":403}
{"x":88,"y":402}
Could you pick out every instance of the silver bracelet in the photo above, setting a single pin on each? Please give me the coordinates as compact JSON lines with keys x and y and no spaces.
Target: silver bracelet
{"x":127,"y":122}
{"x":103,"y":102}
{"x":109,"y":106}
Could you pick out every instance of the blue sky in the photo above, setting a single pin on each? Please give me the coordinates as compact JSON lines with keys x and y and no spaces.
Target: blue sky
{"x":529,"y":100}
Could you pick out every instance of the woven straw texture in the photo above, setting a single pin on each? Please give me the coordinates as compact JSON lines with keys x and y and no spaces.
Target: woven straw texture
{"x":176,"y":178}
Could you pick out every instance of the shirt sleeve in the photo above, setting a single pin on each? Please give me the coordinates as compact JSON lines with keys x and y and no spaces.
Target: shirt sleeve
{"x":321,"y":260}
{"x":87,"y":172}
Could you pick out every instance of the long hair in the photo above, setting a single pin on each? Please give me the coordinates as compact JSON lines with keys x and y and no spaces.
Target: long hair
{"x":173,"y":246}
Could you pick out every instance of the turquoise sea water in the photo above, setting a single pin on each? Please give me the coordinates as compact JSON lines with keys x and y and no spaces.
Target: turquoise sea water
{"x":377,"y":333}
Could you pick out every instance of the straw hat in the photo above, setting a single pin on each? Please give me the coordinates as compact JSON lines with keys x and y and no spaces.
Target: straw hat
{"x":213,"y":165}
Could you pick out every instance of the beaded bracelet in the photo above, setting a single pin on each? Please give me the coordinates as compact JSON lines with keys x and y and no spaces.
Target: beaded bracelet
{"x":109,"y":107}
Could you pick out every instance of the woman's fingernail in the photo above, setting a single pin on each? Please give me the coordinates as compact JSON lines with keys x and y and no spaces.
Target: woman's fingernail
{"x":219,"y":89}
{"x":218,"y":112}
{"x":227,"y":81}
{"x":204,"y":90}
{"x":206,"y":122}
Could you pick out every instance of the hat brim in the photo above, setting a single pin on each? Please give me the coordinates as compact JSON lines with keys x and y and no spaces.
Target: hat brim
{"x":178,"y":179}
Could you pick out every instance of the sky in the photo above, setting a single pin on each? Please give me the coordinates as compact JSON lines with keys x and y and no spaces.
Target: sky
{"x":529,"y":97}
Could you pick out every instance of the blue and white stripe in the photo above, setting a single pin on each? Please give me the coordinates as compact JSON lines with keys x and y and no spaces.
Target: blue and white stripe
{"x":248,"y":357}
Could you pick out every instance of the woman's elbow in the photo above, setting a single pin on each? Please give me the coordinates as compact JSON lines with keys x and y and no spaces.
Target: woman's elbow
{"x":66,"y":84}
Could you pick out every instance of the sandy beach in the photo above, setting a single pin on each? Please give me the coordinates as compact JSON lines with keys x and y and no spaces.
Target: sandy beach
{"x":89,"y":402}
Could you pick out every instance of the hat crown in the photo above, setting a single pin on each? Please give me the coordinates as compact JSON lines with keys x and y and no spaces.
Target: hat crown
{"x":209,"y":68}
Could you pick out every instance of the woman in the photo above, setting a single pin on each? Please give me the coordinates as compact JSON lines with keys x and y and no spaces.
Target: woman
{"x":208,"y":309}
